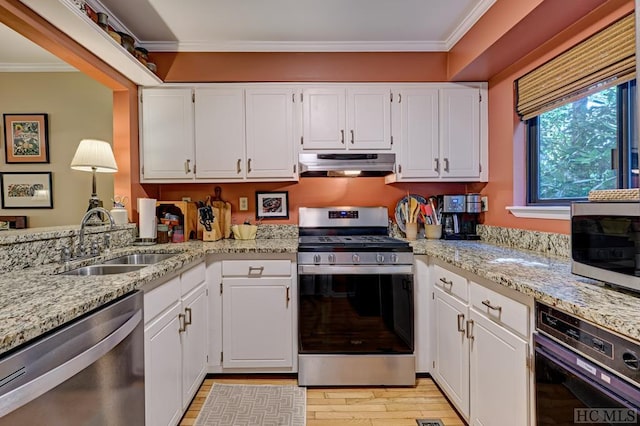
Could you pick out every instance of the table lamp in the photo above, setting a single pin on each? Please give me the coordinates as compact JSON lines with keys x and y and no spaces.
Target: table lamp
{"x":96,"y":157}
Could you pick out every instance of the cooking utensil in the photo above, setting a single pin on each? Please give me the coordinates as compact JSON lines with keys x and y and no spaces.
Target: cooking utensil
{"x":402,"y":205}
{"x":206,"y":217}
{"x":224,"y":207}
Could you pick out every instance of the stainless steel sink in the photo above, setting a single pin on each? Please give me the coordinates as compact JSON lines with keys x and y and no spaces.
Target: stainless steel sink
{"x":139,"y":259}
{"x":103,"y":269}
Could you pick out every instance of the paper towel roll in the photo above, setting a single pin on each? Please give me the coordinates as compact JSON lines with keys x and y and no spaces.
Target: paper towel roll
{"x":147,"y":218}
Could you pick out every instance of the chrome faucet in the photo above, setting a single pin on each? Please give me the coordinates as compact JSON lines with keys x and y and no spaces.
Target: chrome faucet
{"x":85,"y":219}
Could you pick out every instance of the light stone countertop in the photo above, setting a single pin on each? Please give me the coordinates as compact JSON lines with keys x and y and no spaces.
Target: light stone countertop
{"x":36,"y":300}
{"x":548,"y":279}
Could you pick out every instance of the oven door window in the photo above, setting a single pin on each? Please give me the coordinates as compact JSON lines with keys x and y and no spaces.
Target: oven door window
{"x":560,"y":390}
{"x":607,"y":242}
{"x":356,"y":314}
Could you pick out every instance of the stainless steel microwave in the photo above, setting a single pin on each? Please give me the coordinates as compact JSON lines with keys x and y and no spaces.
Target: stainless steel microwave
{"x":605,"y":242}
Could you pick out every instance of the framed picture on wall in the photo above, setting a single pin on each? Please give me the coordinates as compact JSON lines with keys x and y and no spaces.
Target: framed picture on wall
{"x":272,"y":205}
{"x":26,"y":138}
{"x":26,"y":190}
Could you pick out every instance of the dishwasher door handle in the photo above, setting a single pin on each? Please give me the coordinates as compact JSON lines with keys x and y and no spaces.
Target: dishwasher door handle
{"x":26,"y":393}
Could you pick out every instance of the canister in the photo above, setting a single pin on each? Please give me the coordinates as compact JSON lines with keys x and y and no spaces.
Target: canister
{"x":120,"y":215}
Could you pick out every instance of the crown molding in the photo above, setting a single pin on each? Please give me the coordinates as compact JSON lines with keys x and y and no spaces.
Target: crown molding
{"x":470,"y":20}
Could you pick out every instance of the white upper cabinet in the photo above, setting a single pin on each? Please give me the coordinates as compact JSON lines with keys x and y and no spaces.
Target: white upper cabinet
{"x":442,"y":133}
{"x":270,"y":125}
{"x":167,"y":150}
{"x":219,"y":132}
{"x":351,"y":118}
{"x":459,"y":132}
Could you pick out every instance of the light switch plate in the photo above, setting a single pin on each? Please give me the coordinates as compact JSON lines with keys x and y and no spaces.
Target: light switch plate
{"x":484,"y":202}
{"x":244,"y":204}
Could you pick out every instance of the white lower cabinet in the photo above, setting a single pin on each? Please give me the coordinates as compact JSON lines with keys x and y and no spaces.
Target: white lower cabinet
{"x":258,"y":316}
{"x":499,"y":375}
{"x":481,"y":351}
{"x":452,"y":350}
{"x":175,"y":345}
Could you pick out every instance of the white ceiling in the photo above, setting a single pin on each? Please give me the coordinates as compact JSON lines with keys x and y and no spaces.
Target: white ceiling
{"x":274,"y":25}
{"x":18,"y":54}
{"x":296,"y":25}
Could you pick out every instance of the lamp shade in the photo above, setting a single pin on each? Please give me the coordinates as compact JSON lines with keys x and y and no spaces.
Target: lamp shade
{"x":92,"y":153}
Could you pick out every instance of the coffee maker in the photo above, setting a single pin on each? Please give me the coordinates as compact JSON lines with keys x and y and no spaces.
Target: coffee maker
{"x":459,"y":216}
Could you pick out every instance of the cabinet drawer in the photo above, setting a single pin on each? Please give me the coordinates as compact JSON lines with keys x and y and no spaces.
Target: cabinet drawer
{"x":451,"y":282}
{"x":160,"y":298}
{"x":192,"y":278}
{"x":499,"y":308}
{"x":256,"y":268}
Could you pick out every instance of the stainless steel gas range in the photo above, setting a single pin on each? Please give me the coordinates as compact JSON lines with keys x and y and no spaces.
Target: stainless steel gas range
{"x":355,"y":299}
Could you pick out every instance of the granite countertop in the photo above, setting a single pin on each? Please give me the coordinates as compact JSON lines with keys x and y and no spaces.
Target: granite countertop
{"x":548,"y":279}
{"x":36,"y":300}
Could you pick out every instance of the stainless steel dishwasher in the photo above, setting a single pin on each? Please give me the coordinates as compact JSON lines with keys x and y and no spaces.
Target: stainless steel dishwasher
{"x":89,"y":372}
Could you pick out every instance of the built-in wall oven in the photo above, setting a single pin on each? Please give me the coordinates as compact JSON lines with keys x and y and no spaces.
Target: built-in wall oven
{"x":356,"y":299}
{"x":584,"y":374}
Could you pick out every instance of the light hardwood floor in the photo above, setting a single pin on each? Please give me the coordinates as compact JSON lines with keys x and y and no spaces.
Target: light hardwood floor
{"x":360,"y":406}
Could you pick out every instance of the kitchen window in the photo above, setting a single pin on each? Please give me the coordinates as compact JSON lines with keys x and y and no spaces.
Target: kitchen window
{"x":588,"y":144}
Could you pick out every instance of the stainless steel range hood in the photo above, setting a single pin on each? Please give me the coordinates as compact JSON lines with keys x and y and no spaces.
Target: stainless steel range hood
{"x":346,"y":164}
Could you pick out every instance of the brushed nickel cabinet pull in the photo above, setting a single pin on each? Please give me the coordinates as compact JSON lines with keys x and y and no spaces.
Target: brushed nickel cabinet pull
{"x":342,"y":136}
{"x":187,"y":320}
{"x":446,"y":283}
{"x":183,"y":327}
{"x":399,"y":168}
{"x":238,"y":169}
{"x":470,"y":329}
{"x":288,"y":295}
{"x":437,"y":165}
{"x":488,"y":304}
{"x":352,"y":137}
{"x":446,"y":165}
{"x":187,"y":168}
{"x":249,"y":165}
{"x":461,"y":323}
{"x":255,"y":271}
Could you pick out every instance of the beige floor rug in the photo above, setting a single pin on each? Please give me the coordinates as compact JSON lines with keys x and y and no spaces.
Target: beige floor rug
{"x":254,"y":405}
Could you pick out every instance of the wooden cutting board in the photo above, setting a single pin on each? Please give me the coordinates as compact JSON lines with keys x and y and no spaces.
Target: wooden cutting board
{"x":224,"y":207}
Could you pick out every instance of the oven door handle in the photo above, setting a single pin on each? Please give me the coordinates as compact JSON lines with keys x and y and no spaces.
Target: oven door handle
{"x":354,"y":269}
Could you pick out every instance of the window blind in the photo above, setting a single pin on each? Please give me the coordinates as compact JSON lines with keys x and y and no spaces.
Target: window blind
{"x":603,"y":60}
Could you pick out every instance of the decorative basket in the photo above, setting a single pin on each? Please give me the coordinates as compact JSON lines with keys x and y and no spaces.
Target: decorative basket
{"x":244,"y":232}
{"x":631,"y":194}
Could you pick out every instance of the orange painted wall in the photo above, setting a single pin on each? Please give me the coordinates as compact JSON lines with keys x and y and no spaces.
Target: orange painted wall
{"x":507,"y":169}
{"x":311,"y":192}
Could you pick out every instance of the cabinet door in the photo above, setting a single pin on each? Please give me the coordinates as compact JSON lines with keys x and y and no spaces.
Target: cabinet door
{"x":219,"y":133}
{"x":167,"y":134}
{"x":257,"y":322}
{"x":194,"y":343}
{"x":163,"y":369}
{"x":418,"y":133}
{"x":270,"y":132}
{"x":369,"y":118}
{"x":452,"y":350}
{"x":323,"y":118}
{"x":499,"y":375}
{"x":460,"y":132}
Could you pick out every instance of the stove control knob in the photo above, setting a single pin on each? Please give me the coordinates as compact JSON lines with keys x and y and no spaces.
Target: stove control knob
{"x":394,"y":258}
{"x":332,"y":258}
{"x":379,"y":258}
{"x":355,"y":258}
{"x":316,"y":259}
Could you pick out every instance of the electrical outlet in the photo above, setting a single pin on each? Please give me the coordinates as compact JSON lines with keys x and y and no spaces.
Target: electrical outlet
{"x":244,"y":204}
{"x":484,"y":202}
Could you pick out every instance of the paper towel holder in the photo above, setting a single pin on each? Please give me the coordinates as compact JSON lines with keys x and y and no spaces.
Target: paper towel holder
{"x":149,"y":211}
